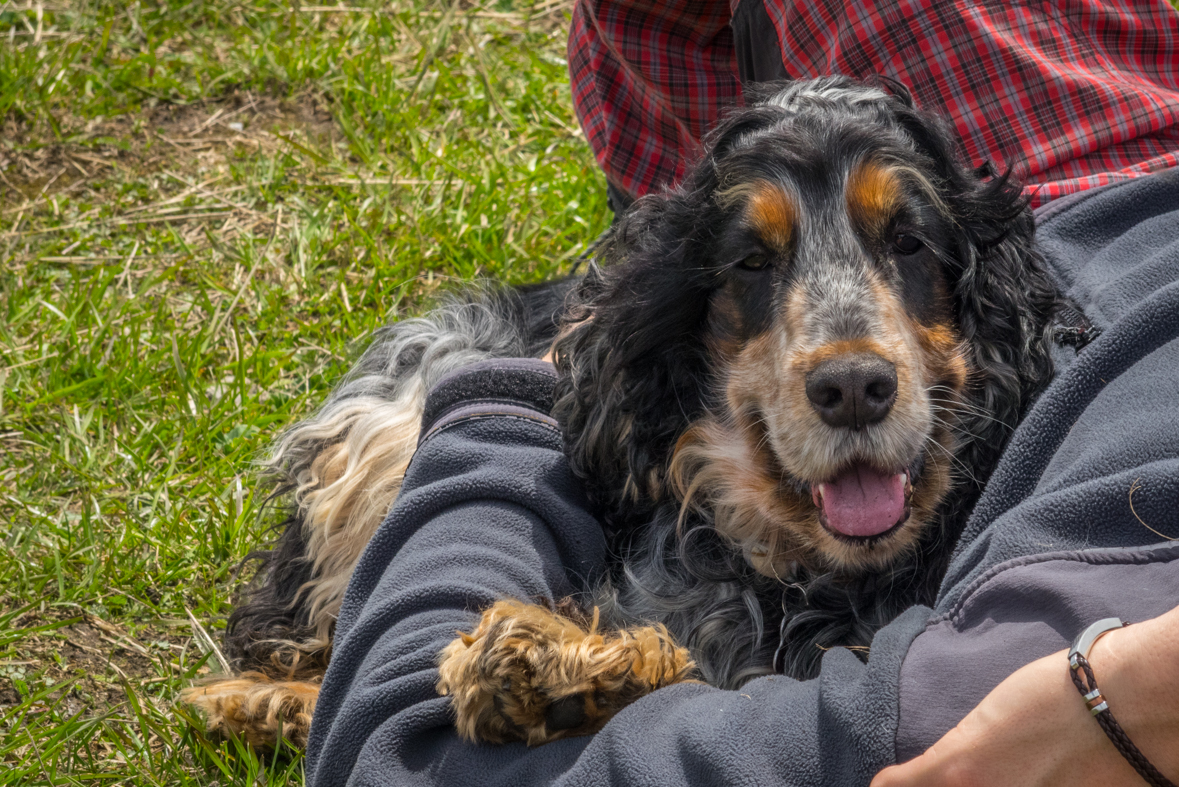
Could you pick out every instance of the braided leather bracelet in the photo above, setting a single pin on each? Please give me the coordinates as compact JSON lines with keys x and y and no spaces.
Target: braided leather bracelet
{"x":1078,"y":661}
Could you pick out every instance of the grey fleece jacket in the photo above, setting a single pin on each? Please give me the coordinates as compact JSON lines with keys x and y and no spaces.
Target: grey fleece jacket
{"x":1061,"y":537}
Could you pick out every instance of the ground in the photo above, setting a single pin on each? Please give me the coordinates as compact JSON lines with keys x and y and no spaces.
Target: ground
{"x":205,"y":209}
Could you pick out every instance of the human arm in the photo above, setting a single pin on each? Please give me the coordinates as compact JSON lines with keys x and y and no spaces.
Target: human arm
{"x":1034,"y":730}
{"x":1091,"y":475}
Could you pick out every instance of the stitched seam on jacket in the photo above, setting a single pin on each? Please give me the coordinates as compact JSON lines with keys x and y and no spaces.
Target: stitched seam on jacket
{"x":541,"y":420}
{"x":482,"y":400}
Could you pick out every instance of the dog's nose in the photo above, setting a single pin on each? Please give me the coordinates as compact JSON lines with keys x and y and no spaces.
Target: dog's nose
{"x":852,"y":391}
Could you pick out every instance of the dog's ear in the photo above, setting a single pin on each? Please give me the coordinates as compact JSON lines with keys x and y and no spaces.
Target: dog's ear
{"x":632,"y":373}
{"x":1005,"y":301}
{"x":1004,"y":298}
{"x":633,"y":369}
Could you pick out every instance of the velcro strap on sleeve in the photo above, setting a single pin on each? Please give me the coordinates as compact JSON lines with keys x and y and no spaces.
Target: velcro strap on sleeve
{"x":497,"y":386}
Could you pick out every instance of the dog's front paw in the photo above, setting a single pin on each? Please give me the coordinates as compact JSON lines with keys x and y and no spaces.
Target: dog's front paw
{"x":529,"y":673}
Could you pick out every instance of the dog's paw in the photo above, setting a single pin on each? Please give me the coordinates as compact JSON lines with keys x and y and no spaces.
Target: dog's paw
{"x":529,"y":673}
{"x":256,"y":708}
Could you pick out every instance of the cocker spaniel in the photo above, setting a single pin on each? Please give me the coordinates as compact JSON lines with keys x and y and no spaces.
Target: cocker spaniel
{"x":783,"y":384}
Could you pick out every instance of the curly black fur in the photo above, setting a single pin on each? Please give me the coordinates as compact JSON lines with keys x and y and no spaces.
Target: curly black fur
{"x":271,"y":614}
{"x":636,"y":376}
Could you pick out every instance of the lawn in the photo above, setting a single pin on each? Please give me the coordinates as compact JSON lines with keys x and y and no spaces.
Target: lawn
{"x":205,"y":209}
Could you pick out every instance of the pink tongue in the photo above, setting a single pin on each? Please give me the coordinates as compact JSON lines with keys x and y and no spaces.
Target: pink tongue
{"x":862,"y":501}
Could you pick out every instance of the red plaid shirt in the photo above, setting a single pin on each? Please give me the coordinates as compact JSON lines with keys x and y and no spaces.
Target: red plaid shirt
{"x":1073,"y":93}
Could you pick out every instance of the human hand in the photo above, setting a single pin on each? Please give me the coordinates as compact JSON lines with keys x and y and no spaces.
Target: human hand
{"x":1033,"y":729}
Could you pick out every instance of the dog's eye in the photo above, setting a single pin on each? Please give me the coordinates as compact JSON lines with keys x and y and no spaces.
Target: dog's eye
{"x":754,"y":262}
{"x":906,"y":244}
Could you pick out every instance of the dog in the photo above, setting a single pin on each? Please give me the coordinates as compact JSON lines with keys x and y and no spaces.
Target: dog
{"x":783,"y":382}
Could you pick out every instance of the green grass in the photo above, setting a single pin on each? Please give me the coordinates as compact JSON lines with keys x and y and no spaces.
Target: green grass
{"x":205,"y":208}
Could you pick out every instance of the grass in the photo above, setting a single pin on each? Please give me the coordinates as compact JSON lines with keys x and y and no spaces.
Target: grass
{"x":205,"y":208}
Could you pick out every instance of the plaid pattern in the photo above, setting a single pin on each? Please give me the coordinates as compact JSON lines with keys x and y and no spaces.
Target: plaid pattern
{"x":650,"y":77}
{"x":1073,"y":93}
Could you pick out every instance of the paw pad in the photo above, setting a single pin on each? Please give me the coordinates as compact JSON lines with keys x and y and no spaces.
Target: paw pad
{"x":565,"y":713}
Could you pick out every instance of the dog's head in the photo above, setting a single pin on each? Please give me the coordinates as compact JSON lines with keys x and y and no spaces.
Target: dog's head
{"x":809,"y":343}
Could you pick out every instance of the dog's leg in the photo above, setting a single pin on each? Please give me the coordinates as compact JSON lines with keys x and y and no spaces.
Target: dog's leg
{"x":255,"y":708}
{"x":529,"y":673}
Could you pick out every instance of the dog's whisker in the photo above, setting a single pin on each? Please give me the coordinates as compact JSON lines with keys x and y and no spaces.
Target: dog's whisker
{"x":954,"y":461}
{"x":983,"y":417}
{"x":956,"y":429}
{"x":949,"y":405}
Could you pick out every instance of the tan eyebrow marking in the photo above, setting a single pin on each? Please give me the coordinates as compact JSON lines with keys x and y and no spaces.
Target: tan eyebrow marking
{"x":773,"y":215}
{"x":873,"y":195}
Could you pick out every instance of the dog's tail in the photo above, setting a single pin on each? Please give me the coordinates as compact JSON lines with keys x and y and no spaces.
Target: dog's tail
{"x":341,"y":470}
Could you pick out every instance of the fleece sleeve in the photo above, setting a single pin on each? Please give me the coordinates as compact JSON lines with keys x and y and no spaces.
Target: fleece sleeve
{"x":490,"y":510}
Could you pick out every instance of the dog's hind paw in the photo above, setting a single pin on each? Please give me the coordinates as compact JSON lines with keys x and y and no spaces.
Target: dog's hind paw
{"x":529,"y":673}
{"x":256,"y":708}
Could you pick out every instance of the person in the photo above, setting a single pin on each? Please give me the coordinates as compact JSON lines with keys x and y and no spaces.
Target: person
{"x":1072,"y":527}
{"x":1073,"y":94}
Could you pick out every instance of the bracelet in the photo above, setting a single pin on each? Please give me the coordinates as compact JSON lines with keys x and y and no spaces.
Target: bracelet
{"x":1078,"y":661}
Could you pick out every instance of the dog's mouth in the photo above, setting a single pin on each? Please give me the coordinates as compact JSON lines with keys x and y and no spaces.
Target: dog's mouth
{"x":863,"y":504}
